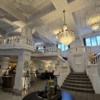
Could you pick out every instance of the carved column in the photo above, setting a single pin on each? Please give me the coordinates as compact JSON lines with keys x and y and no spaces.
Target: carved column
{"x":20,"y":78}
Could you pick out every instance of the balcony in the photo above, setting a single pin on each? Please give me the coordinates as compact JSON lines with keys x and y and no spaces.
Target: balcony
{"x":51,"y":51}
{"x":16,"y":42}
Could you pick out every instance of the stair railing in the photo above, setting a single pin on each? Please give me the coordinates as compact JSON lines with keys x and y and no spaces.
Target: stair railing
{"x":95,"y":59}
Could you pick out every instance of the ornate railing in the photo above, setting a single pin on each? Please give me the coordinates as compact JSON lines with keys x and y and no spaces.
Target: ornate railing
{"x":16,"y":40}
{"x":51,"y":51}
{"x":47,"y":50}
{"x":80,"y":49}
{"x":95,"y":59}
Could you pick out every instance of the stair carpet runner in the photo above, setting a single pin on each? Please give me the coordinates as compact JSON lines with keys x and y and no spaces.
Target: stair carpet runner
{"x":78,"y":82}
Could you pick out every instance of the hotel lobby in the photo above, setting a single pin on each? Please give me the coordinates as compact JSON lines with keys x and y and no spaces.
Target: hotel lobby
{"x":49,"y":49}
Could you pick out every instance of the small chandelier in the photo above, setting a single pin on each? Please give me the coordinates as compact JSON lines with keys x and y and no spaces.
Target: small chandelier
{"x":93,"y":19}
{"x":65,"y":36}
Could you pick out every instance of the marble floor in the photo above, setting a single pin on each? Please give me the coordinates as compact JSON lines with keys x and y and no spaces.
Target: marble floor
{"x":8,"y":96}
{"x":38,"y":85}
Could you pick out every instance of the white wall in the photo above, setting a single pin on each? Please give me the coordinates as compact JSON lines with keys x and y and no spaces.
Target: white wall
{"x":77,"y":43}
{"x":95,"y":49}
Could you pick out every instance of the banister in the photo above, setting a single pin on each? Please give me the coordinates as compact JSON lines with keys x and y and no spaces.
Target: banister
{"x":95,"y":59}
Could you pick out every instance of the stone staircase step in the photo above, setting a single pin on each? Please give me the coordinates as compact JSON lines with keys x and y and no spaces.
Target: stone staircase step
{"x":78,"y":73}
{"x":78,"y":85}
{"x":78,"y":89}
{"x":77,"y":78}
{"x":79,"y":82}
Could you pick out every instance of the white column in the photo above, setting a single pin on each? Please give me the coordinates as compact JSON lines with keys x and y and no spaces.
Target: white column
{"x":19,"y":78}
{"x":19,"y":74}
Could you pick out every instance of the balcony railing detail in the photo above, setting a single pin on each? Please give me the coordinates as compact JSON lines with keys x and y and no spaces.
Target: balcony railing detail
{"x":17,"y":39}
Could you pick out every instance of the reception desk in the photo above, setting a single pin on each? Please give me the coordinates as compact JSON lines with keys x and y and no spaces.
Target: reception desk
{"x":8,"y":82}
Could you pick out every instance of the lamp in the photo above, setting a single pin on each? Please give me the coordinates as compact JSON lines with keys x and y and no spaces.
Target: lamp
{"x":65,"y":36}
{"x":93,"y":19}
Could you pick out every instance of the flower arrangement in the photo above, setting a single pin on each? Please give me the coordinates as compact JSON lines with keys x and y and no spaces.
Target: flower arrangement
{"x":91,"y":56}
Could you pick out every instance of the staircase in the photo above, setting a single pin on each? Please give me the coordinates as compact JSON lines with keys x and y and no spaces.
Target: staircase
{"x":78,"y":82}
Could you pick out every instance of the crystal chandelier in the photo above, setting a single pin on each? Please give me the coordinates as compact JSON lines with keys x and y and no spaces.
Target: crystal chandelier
{"x":65,"y":36}
{"x":93,"y":19}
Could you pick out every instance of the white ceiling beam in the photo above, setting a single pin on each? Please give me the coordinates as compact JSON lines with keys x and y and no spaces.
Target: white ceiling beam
{"x":45,"y":34}
{"x":70,"y":8}
{"x":11,"y":9}
{"x":78,"y":4}
{"x":60,"y":4}
{"x":6,"y":21}
{"x":51,"y":17}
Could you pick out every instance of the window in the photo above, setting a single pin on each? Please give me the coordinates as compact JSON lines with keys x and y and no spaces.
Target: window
{"x":88,"y":42}
{"x":98,"y":40}
{"x":66,"y":47}
{"x":59,"y":46}
{"x":41,"y":49}
{"x":62,"y":47}
{"x":93,"y":41}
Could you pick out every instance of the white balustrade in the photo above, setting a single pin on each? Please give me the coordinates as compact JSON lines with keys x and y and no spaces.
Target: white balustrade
{"x":16,"y":42}
{"x":78,"y":50}
{"x":17,"y":39}
{"x":48,"y":51}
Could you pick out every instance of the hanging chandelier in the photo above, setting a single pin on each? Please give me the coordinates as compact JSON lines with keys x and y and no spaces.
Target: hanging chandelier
{"x":93,"y":19}
{"x":65,"y":36}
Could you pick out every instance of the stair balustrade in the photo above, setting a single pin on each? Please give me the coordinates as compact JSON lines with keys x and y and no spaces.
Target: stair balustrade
{"x":95,"y":59}
{"x":93,"y":71}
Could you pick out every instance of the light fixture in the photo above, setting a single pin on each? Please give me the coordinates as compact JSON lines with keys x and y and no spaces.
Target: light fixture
{"x":93,"y":19}
{"x":65,"y":36}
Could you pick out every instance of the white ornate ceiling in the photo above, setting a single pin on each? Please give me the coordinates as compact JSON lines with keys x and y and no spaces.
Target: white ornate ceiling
{"x":45,"y":16}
